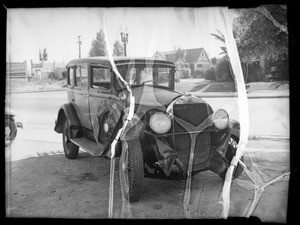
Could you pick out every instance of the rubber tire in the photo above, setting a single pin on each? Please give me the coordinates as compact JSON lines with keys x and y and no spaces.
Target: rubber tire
{"x":135,"y":165}
{"x":70,"y":149}
{"x":229,"y":155}
{"x":10,"y":122}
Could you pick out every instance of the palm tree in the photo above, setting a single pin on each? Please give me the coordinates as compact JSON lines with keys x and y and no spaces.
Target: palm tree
{"x":221,"y":38}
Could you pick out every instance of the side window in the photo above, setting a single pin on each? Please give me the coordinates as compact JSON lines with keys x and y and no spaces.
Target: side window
{"x":71,"y":76}
{"x":163,"y":77}
{"x":101,"y":77}
{"x":81,"y":76}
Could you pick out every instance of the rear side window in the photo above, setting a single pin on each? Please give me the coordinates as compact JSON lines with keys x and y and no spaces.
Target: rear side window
{"x":81,"y":76}
{"x":71,"y":76}
{"x":101,"y":77}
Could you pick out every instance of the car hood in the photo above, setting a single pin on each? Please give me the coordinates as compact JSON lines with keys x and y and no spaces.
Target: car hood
{"x":153,"y":96}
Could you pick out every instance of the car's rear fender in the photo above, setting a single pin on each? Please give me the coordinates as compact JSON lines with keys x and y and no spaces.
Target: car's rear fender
{"x":67,"y":111}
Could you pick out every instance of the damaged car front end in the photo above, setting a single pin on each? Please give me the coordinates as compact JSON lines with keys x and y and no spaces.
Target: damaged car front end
{"x":170,"y":135}
{"x":186,"y":126}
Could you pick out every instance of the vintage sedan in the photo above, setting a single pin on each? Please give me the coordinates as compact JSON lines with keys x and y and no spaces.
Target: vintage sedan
{"x":172,"y":135}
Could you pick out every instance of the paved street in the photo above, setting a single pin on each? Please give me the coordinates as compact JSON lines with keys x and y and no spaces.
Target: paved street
{"x":43,"y":183}
{"x":268,"y":117}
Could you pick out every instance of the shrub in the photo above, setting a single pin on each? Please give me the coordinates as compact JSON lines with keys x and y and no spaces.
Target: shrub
{"x":254,"y":73}
{"x":209,"y":74}
{"x":199,"y":73}
{"x":222,"y":71}
{"x":186,"y":73}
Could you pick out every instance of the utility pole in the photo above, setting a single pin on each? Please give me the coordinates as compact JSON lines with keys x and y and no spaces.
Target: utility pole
{"x":124,"y":39}
{"x":79,"y":44}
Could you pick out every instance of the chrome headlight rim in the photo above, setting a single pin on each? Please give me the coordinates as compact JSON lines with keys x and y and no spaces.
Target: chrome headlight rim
{"x":153,"y":124}
{"x":220,"y":125}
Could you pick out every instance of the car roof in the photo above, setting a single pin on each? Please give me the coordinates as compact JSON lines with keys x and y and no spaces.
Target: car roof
{"x":104,"y":61}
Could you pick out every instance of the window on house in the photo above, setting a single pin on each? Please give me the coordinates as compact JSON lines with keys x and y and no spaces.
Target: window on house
{"x":101,"y":77}
{"x":81,"y":76}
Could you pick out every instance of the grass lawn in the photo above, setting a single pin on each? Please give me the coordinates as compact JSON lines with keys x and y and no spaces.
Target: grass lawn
{"x":191,"y":85}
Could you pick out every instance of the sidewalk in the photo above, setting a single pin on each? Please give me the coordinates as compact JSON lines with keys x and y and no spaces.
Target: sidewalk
{"x":35,"y":91}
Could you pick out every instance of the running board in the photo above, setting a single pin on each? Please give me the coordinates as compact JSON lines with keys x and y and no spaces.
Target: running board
{"x":88,"y":146}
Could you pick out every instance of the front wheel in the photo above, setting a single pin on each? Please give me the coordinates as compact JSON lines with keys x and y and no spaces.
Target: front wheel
{"x":70,"y":149}
{"x":231,"y":150}
{"x":131,"y":169}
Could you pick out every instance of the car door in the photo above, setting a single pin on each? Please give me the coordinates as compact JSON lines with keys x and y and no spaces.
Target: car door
{"x":100,"y":93}
{"x":81,"y":95}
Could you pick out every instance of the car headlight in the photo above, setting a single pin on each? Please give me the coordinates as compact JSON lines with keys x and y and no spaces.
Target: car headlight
{"x":221,"y":119}
{"x":160,"y":123}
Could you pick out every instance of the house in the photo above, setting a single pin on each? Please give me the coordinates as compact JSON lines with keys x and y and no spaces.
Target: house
{"x":192,"y":59}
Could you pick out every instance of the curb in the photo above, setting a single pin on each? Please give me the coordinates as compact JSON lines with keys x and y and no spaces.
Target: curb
{"x":235,"y":95}
{"x":268,"y":137}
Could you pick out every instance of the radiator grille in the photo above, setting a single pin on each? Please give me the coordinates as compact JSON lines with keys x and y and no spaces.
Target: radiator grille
{"x":194,"y":114}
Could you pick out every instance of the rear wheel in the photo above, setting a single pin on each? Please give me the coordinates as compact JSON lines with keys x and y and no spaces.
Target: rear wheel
{"x":231,"y":150}
{"x":131,"y":170}
{"x":70,"y":149}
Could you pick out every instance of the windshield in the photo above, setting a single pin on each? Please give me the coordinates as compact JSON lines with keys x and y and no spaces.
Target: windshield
{"x":153,"y":75}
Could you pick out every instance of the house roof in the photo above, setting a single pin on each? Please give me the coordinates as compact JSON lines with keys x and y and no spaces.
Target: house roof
{"x":192,"y":55}
{"x":170,"y":57}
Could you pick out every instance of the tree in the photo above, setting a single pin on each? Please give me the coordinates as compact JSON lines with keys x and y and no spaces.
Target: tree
{"x":220,"y":37}
{"x":179,"y":54}
{"x":118,"y":49}
{"x":214,"y":60}
{"x":261,"y":34}
{"x":262,"y":31}
{"x":98,"y":45}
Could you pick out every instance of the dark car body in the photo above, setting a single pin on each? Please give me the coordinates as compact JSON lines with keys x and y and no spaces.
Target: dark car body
{"x":96,"y":108}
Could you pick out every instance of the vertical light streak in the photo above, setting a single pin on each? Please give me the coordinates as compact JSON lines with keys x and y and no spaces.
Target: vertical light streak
{"x":242,"y":103}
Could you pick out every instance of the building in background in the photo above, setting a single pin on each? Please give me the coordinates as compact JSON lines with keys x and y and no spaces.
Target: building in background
{"x":16,"y":70}
{"x":193,"y":59}
{"x":45,"y":70}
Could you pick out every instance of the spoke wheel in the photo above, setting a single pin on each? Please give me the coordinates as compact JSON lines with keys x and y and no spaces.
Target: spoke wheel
{"x":231,"y":150}
{"x":131,"y":169}
{"x":70,"y":149}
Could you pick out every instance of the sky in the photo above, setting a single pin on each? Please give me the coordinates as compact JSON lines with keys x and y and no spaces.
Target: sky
{"x":149,"y":29}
